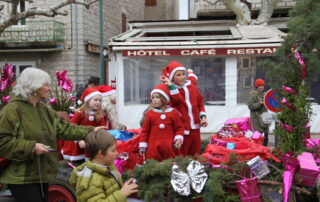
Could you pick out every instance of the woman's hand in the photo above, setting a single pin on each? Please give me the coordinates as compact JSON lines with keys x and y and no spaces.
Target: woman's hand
{"x":40,"y":149}
{"x":129,"y":187}
{"x":100,"y":128}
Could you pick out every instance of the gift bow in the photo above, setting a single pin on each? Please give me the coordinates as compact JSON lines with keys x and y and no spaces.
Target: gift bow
{"x":64,"y":81}
{"x":289,"y":90}
{"x":7,"y":76}
{"x":195,"y":176}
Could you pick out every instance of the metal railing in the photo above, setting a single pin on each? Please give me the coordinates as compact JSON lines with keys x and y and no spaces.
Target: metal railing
{"x":35,"y":31}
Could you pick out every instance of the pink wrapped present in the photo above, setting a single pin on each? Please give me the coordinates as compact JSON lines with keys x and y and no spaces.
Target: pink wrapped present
{"x":311,"y":143}
{"x":249,"y":190}
{"x":256,"y":135}
{"x":219,"y":142}
{"x":244,"y":123}
{"x":308,"y":171}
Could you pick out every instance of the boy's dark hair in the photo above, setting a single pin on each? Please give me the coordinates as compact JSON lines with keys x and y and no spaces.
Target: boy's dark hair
{"x":94,"y":80}
{"x":99,"y":140}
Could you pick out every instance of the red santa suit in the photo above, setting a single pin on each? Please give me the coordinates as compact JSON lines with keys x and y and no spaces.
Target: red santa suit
{"x":71,"y":150}
{"x":188,"y":100}
{"x":159,"y":131}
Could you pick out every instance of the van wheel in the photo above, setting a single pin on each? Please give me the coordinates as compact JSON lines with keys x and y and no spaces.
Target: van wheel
{"x":61,"y":191}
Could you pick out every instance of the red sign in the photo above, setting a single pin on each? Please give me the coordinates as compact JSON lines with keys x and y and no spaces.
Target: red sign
{"x":271,"y":101}
{"x":200,"y":52}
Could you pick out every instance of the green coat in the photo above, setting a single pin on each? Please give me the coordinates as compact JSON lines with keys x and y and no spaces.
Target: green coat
{"x":256,"y":108}
{"x":22,"y":126}
{"x":97,"y":184}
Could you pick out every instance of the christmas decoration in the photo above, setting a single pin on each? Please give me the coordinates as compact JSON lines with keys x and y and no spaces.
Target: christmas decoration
{"x":259,"y":167}
{"x":308,"y":169}
{"x":6,"y":83}
{"x":61,"y":97}
{"x":249,"y":190}
{"x":290,"y":106}
{"x":195,"y":178}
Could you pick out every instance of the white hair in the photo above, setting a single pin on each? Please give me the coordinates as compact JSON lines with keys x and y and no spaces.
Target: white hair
{"x":111,"y":110}
{"x":30,"y":80}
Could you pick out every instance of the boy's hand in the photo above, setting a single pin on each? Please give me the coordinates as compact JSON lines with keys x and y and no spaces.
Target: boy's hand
{"x":129,"y":187}
{"x":82,"y":144}
{"x":203,"y":122}
{"x":142,"y":151}
{"x":178,"y":143}
{"x":165,"y":80}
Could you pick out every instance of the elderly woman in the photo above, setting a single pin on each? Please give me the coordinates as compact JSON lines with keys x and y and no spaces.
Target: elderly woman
{"x":28,"y":137}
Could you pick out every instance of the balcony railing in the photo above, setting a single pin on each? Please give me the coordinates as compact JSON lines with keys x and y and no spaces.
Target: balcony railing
{"x":34,"y":31}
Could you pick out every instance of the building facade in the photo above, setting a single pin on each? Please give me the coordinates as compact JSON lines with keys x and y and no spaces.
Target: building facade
{"x":66,"y":42}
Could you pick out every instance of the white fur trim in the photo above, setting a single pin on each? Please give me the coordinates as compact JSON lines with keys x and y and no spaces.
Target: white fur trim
{"x":187,"y":95}
{"x":203,"y":113}
{"x":160,"y":111}
{"x":174,"y":71}
{"x":193,"y":75}
{"x":143,"y":144}
{"x":73,"y":158}
{"x":178,"y":137}
{"x":91,"y":95}
{"x":162,"y":93}
{"x":110,"y":92}
{"x":174,"y":92}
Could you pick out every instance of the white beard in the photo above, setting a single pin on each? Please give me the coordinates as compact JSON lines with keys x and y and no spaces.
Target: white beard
{"x":111,"y":110}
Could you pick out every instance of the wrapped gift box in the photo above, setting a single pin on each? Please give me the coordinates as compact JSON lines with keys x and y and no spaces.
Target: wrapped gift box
{"x":308,"y":171}
{"x":259,"y":167}
{"x":219,"y":142}
{"x":249,"y":190}
{"x":244,"y":123}
{"x":311,"y":143}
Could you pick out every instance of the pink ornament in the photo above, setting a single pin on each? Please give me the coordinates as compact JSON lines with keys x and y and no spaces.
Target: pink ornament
{"x":5,"y":99}
{"x":53,"y":100}
{"x":288,"y":128}
{"x":289,"y":90}
{"x":71,"y":115}
{"x":303,"y":65}
{"x":287,"y":104}
{"x":64,"y":81}
{"x":72,"y":98}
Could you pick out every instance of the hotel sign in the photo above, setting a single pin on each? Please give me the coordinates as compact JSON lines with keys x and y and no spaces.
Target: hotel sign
{"x":200,"y":52}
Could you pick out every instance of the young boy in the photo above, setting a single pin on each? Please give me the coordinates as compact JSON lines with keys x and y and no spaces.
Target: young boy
{"x":187,"y":99}
{"x":98,"y":179}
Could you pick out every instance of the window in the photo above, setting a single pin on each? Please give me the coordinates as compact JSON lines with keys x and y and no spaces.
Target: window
{"x":18,"y":67}
{"x":150,"y":3}
{"x":141,"y":75}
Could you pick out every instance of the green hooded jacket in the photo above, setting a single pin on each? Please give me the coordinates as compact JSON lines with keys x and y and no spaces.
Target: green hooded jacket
{"x":256,"y":109}
{"x":22,"y":126}
{"x":95,"y":183}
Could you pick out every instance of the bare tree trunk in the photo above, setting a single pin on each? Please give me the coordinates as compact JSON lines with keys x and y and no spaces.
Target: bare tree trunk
{"x":240,"y":9}
{"x":266,"y":10}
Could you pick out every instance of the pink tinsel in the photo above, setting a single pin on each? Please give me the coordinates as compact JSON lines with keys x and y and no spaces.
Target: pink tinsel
{"x":287,"y":127}
{"x":287,"y":104}
{"x":64,"y":81}
{"x":7,"y":77}
{"x":303,"y":65}
{"x":289,"y":90}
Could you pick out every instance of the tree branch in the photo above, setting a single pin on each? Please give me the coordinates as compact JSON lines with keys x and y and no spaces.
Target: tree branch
{"x":51,"y":12}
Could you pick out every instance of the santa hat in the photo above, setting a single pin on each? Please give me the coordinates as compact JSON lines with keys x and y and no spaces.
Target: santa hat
{"x":87,"y":94}
{"x":171,"y":68}
{"x":163,"y":90}
{"x":259,"y":82}
{"x":106,"y":90}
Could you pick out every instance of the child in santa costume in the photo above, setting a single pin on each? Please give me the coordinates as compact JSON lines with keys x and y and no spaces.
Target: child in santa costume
{"x":187,"y":99}
{"x":89,"y":114}
{"x":162,"y":131}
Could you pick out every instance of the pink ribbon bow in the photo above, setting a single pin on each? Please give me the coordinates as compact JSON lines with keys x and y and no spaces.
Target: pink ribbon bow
{"x":288,"y":128}
{"x":303,"y":66}
{"x":64,"y":81}
{"x":287,"y":104}
{"x":7,"y":76}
